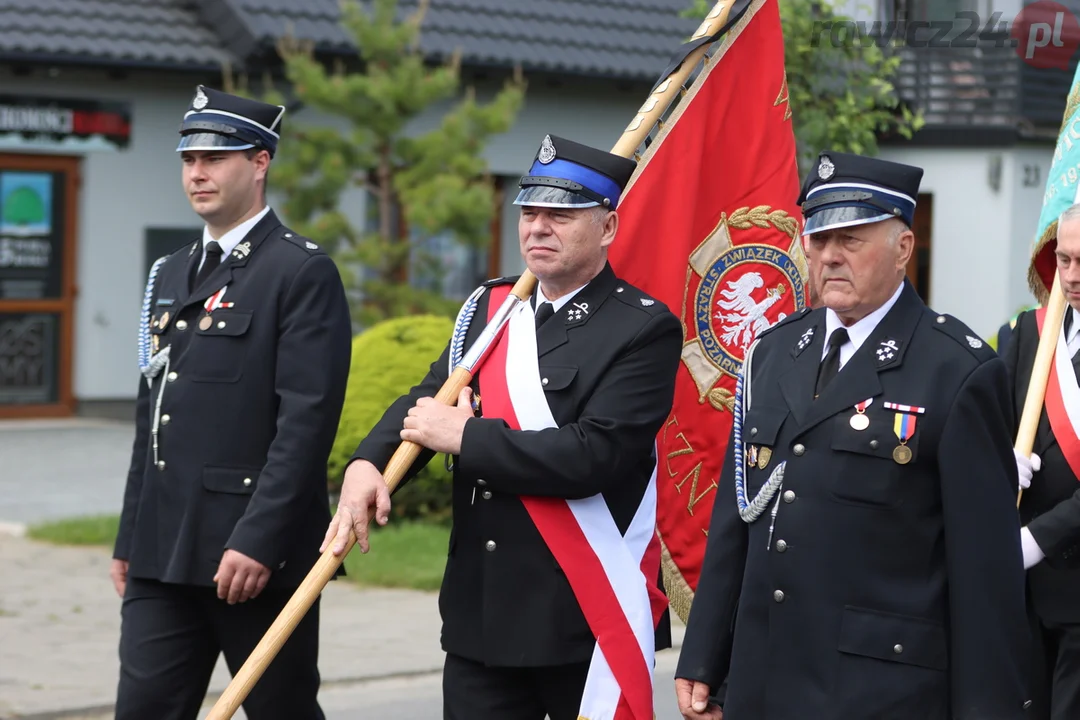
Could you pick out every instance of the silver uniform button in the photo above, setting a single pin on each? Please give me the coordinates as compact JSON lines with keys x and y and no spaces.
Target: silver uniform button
{"x":753,"y":431}
{"x":486,"y":494}
{"x":873,"y":444}
{"x":490,"y":546}
{"x":481,"y":483}
{"x":778,"y":595}
{"x":941,"y":318}
{"x":544,"y":381}
{"x":799,"y":449}
{"x":781,"y":546}
{"x":789,"y":496}
{"x":247,"y":482}
{"x":165,"y":419}
{"x":898,"y":648}
{"x":221,"y":324}
{"x":161,"y":465}
{"x":181,"y":324}
{"x":171,"y":376}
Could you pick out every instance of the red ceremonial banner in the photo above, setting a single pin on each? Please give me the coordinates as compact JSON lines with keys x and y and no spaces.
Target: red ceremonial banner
{"x":709,"y":225}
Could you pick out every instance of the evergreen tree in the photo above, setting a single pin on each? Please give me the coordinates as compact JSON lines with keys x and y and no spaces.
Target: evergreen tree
{"x":419,"y":185}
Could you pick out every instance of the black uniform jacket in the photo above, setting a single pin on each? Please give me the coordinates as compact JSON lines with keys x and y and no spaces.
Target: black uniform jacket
{"x":250,"y":403}
{"x":885,"y":591}
{"x":609,"y":378}
{"x":1051,"y":506}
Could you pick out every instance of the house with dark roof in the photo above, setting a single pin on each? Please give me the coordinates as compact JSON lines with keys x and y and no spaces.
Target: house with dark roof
{"x":92,"y":92}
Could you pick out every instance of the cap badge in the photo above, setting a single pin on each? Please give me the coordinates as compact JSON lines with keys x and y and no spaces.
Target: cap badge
{"x":825,"y":168}
{"x":547,"y":151}
{"x":200,"y":100}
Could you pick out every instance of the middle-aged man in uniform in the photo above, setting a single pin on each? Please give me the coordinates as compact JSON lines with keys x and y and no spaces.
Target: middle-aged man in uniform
{"x":1050,"y":506}
{"x":245,"y":353}
{"x":877,"y":575}
{"x":553,"y":488}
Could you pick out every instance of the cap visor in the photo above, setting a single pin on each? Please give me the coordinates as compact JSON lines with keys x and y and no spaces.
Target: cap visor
{"x":545,"y":196}
{"x":211,"y":141}
{"x":841,"y":217}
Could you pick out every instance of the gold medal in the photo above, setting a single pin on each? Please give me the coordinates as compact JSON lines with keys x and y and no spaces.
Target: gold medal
{"x":902,"y":454}
{"x":859,"y":421}
{"x":165,"y":319}
{"x":764,"y":455}
{"x":205,"y":323}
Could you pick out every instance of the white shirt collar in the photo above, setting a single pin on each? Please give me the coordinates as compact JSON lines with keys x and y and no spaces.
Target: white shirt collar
{"x":556,"y":305}
{"x":1074,"y":326}
{"x":231,"y":239}
{"x":859,"y":331}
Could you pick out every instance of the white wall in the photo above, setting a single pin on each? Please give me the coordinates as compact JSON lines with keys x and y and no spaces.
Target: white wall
{"x":980,"y":237}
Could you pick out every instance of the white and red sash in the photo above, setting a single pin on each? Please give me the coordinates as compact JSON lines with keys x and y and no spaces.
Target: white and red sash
{"x":613,"y":576}
{"x":1063,"y":399}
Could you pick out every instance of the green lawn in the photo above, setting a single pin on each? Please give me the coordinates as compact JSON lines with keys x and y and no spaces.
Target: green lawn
{"x":403,"y":554}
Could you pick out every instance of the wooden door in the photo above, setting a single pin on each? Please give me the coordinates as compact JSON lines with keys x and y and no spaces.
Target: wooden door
{"x":918,"y":267}
{"x":38,"y":201}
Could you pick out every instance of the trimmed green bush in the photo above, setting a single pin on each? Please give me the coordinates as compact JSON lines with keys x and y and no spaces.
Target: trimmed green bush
{"x":387,"y":361}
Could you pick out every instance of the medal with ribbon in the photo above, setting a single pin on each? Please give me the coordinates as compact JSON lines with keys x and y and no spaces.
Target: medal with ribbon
{"x":904,"y":427}
{"x":213,"y":303}
{"x":859,"y":421}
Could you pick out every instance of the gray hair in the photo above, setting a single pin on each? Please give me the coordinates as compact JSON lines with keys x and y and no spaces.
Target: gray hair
{"x":898,"y":228}
{"x":599,"y":214}
{"x":1071,"y":213}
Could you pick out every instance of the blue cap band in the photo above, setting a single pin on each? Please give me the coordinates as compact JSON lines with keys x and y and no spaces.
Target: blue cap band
{"x":597,"y":182}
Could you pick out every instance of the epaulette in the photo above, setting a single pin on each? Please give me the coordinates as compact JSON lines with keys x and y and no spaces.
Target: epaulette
{"x":634,"y":297}
{"x":789,"y":319}
{"x":302,"y":242}
{"x":506,"y":280}
{"x":964,"y":336}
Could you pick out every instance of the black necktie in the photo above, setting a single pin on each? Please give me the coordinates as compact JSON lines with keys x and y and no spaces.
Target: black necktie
{"x":830,"y":366}
{"x":210,"y":264}
{"x":545,"y":311}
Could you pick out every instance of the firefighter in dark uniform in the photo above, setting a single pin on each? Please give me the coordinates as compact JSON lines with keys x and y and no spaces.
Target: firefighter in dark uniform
{"x":245,"y":350}
{"x":518,"y":644}
{"x":863,"y":559}
{"x":1050,"y":506}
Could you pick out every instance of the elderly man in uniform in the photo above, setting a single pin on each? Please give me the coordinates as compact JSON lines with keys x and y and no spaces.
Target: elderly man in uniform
{"x":551,"y":578}
{"x":245,"y":356}
{"x":1050,"y":506}
{"x":863,"y":560}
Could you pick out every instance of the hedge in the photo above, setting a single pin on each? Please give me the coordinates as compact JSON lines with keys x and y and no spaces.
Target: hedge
{"x":387,"y":360}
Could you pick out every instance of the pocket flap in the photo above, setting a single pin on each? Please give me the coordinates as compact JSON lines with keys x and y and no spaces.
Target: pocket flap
{"x":762,"y":425}
{"x":237,"y":481}
{"x":226,"y":323}
{"x":555,"y":377}
{"x":897,"y":638}
{"x":877,"y":440}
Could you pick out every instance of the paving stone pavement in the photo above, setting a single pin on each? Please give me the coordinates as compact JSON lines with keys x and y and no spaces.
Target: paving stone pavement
{"x":60,"y":617}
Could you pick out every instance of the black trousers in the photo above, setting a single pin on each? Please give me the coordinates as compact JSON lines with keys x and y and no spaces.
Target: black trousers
{"x":472,"y":690}
{"x":170,"y":639}
{"x":1056,"y":670}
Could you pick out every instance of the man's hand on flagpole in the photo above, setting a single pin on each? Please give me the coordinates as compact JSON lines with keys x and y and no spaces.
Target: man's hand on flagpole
{"x":362,"y":491}
{"x":1026,"y":468}
{"x":436,"y":426}
{"x":693,"y":698}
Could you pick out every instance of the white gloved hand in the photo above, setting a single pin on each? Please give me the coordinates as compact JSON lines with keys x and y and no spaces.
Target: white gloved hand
{"x":1026,"y":468}
{"x":1033,"y":554}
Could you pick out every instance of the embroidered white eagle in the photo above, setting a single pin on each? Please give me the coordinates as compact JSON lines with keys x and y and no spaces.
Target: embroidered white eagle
{"x":742,"y":316}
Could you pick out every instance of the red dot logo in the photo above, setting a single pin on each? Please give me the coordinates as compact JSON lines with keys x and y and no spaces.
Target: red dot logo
{"x":1046,"y":34}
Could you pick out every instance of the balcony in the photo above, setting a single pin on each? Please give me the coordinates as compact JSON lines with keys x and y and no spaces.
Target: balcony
{"x":981,"y":94}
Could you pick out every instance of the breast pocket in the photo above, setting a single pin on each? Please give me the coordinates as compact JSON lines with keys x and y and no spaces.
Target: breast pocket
{"x":555,"y":378}
{"x":870,"y":469}
{"x":760,"y":430}
{"x":220,"y":350}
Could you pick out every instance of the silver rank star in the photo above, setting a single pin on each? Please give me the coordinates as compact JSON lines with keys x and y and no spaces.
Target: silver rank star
{"x":974,"y":342}
{"x":577,"y":312}
{"x":887,"y":350}
{"x":311,"y":246}
{"x":647,"y":302}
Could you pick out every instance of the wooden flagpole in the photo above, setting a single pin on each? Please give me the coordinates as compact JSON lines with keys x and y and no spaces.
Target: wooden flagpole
{"x":324,"y":569}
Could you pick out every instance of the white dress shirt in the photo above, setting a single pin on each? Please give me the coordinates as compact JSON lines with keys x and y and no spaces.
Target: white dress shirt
{"x":1072,"y":335}
{"x":859,"y":331}
{"x":556,"y":305}
{"x":231,"y":239}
